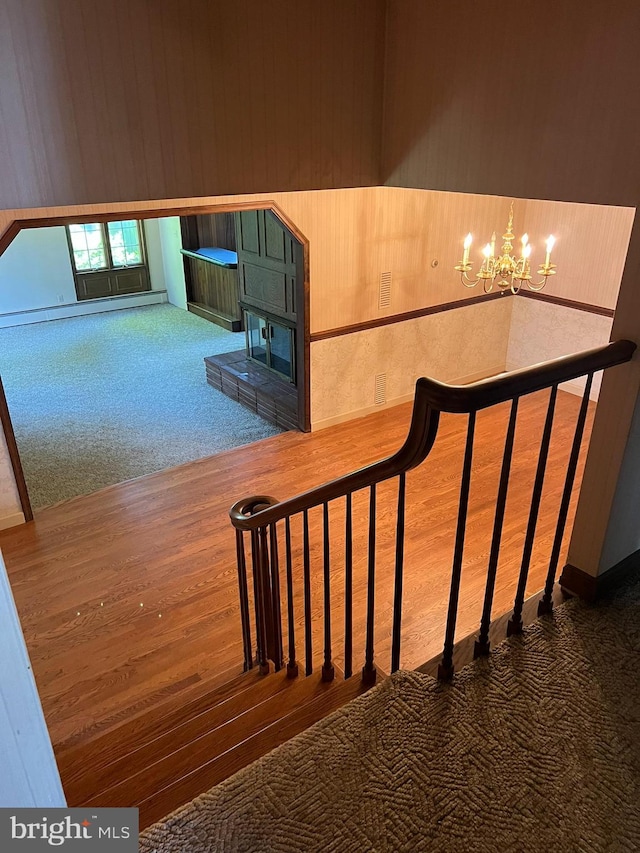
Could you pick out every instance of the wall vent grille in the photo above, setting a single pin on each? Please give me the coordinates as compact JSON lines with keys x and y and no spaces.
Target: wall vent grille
{"x":384,"y":295}
{"x":381,"y":389}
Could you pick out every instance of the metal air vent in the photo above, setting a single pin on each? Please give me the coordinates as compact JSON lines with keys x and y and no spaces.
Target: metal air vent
{"x":384,"y":294}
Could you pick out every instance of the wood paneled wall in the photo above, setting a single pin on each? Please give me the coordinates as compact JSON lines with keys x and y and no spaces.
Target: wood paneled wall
{"x":109,"y":100}
{"x":356,"y":235}
{"x":555,"y":121}
{"x":591,"y":248}
{"x":416,"y":235}
{"x":215,"y":229}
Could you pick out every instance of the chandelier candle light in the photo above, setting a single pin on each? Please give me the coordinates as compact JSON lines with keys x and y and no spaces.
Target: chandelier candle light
{"x":506,"y":271}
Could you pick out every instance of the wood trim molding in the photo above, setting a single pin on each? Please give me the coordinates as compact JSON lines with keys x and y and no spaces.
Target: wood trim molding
{"x":569,"y":303}
{"x":10,"y":233}
{"x":401,"y":318}
{"x":575,"y":581}
{"x":140,"y":213}
{"x":449,"y":306}
{"x":14,"y":456}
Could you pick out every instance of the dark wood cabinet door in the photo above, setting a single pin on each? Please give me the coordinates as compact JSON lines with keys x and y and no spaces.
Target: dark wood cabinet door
{"x":98,"y":285}
{"x":268,"y":263}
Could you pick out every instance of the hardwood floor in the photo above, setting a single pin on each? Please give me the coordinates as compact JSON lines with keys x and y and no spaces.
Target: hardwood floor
{"x":128,"y":597}
{"x":167,"y":756}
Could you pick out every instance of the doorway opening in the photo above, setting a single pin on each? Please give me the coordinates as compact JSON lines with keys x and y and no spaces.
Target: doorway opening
{"x":119,"y":381}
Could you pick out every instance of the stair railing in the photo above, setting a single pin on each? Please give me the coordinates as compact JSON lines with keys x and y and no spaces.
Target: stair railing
{"x":259,"y":516}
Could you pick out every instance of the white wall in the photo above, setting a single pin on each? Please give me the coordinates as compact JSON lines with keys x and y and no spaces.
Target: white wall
{"x":155,"y":260}
{"x":35,"y":271}
{"x":29,"y":776}
{"x":541,"y":330}
{"x":36,"y":279}
{"x":173,"y":266}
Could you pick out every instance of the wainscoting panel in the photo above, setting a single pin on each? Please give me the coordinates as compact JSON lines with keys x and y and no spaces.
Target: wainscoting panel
{"x":540,"y":331}
{"x":456,"y":346}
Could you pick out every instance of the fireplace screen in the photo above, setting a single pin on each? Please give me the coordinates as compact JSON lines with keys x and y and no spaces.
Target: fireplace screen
{"x":271,"y":343}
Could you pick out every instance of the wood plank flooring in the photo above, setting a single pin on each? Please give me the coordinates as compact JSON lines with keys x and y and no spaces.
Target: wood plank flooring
{"x":128,"y":597}
{"x":162,"y":759}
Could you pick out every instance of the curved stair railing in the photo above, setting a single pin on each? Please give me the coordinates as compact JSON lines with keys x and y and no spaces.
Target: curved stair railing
{"x":258,"y":518}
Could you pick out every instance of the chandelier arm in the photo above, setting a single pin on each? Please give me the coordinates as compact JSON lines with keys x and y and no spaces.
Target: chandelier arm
{"x":468,"y":282}
{"x":488,"y":285}
{"x":538,"y":285}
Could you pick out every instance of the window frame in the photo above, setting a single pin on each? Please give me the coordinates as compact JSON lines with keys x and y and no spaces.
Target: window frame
{"x":104,"y":230}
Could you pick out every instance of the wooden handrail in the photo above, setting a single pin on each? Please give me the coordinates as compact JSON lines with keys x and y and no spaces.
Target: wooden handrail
{"x":432,"y":398}
{"x":463,"y":399}
{"x":419,"y":441}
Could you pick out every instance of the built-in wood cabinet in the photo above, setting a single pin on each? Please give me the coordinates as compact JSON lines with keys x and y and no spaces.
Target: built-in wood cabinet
{"x":246,"y":270}
{"x":212,"y":284}
{"x":269,"y":259}
{"x":97,"y":285}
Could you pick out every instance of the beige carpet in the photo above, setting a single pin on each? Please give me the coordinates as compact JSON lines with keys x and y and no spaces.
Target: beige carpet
{"x":100,"y":399}
{"x":537,"y":749}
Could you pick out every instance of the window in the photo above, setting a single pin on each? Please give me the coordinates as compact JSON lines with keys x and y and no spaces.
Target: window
{"x":108,"y":259}
{"x":98,"y":246}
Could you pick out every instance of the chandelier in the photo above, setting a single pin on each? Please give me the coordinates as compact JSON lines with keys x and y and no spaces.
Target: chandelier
{"x":506,"y":271}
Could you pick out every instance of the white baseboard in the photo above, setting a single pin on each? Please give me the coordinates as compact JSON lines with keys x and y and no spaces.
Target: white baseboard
{"x":397,"y":401}
{"x":359,"y":413}
{"x":78,"y":309}
{"x":11,"y":520}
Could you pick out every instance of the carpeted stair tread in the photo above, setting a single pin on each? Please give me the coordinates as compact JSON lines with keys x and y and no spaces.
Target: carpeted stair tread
{"x":536,"y":748}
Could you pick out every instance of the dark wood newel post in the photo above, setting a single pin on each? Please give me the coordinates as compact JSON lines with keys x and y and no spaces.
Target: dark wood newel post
{"x":266,"y":587}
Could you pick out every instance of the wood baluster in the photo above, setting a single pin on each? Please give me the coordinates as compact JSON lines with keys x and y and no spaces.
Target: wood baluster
{"x":292,"y":664}
{"x":328,"y":671}
{"x":482,"y":644}
{"x":369,"y":670}
{"x":514,"y":626}
{"x":399,"y":576}
{"x":308,"y":651}
{"x":545,"y":604}
{"x":259,"y":601}
{"x":446,"y":668}
{"x":244,"y":601}
{"x":274,"y":581}
{"x":348,"y":590}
